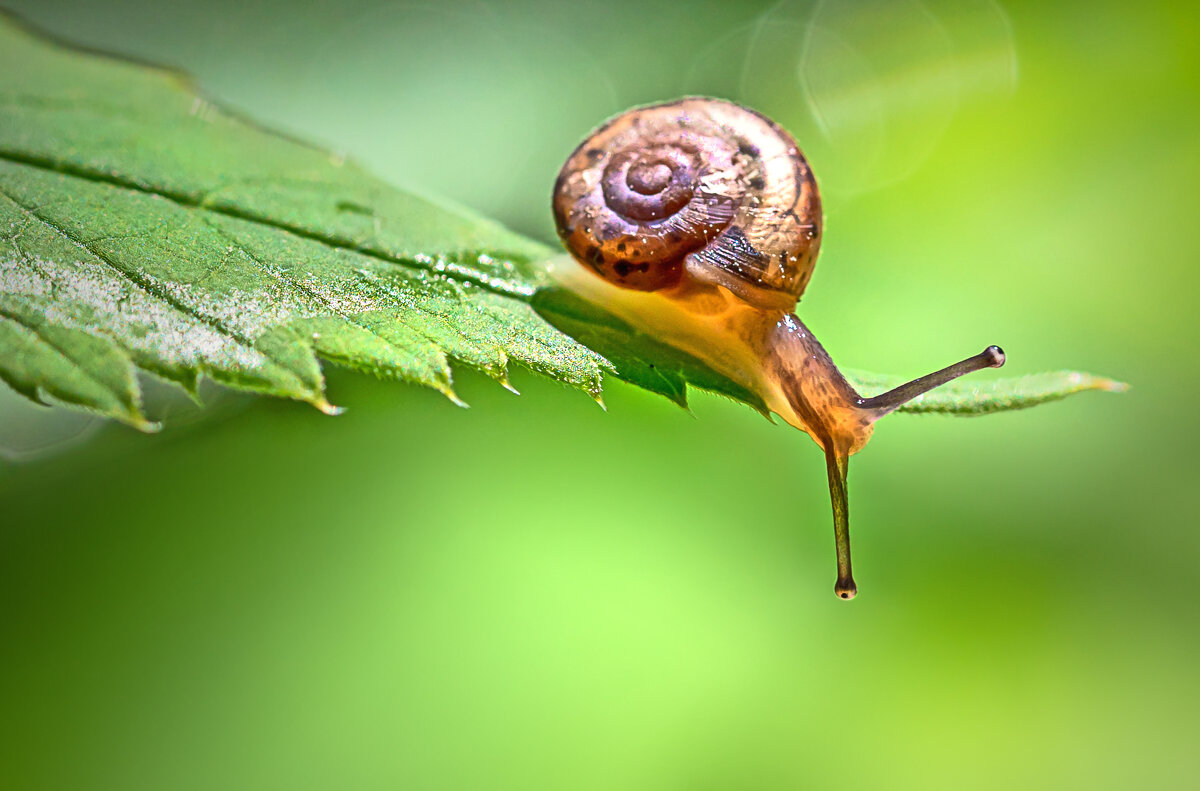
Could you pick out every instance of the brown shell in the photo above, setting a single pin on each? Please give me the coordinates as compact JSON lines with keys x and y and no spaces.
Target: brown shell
{"x":701,"y":187}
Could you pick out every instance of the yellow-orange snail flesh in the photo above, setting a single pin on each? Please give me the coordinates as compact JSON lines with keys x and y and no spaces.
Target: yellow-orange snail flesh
{"x":698,"y":222}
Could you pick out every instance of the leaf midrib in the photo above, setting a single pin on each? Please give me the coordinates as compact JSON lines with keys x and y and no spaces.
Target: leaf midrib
{"x":190,"y":202}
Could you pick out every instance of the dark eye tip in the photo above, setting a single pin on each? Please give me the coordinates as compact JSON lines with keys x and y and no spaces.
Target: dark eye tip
{"x":996,"y":354}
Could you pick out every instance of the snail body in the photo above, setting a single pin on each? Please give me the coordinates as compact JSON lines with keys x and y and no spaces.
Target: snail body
{"x":698,"y":222}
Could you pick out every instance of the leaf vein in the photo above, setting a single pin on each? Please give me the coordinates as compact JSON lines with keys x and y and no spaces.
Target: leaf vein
{"x":190,"y":201}
{"x":60,"y":351}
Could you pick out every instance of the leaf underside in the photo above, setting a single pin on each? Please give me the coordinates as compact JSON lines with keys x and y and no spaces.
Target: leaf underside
{"x":650,"y":364}
{"x":968,"y":397}
{"x":143,"y":228}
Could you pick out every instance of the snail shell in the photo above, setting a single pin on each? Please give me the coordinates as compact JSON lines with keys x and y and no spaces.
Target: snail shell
{"x":697,"y":187}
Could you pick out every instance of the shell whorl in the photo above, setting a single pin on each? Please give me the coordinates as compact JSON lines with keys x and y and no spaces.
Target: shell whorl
{"x":701,"y":188}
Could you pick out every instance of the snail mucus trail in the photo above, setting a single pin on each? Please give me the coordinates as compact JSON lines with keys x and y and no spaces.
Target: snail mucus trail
{"x":702,"y":220}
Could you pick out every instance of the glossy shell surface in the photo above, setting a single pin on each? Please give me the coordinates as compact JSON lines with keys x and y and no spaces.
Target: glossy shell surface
{"x":696,"y":188}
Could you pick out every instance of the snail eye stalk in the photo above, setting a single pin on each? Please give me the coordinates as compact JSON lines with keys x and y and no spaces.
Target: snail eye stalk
{"x":838,"y":464}
{"x":991,"y":357}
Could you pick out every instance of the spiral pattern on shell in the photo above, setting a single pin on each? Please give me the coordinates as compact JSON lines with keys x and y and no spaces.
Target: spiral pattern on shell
{"x":702,"y":188}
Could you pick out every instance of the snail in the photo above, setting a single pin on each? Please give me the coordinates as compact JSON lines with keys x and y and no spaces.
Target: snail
{"x":702,"y":220}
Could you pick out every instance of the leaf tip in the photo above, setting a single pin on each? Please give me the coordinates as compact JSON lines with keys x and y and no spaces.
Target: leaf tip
{"x":1085,"y":381}
{"x":145,"y":425}
{"x":448,"y":391}
{"x":327,"y":408}
{"x":502,"y":378}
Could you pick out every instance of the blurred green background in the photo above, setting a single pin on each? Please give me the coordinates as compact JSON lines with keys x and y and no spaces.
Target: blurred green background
{"x":534,"y":593}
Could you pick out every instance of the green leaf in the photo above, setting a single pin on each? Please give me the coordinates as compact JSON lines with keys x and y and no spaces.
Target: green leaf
{"x":648,"y":363}
{"x":142,"y":227}
{"x":968,"y":397}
